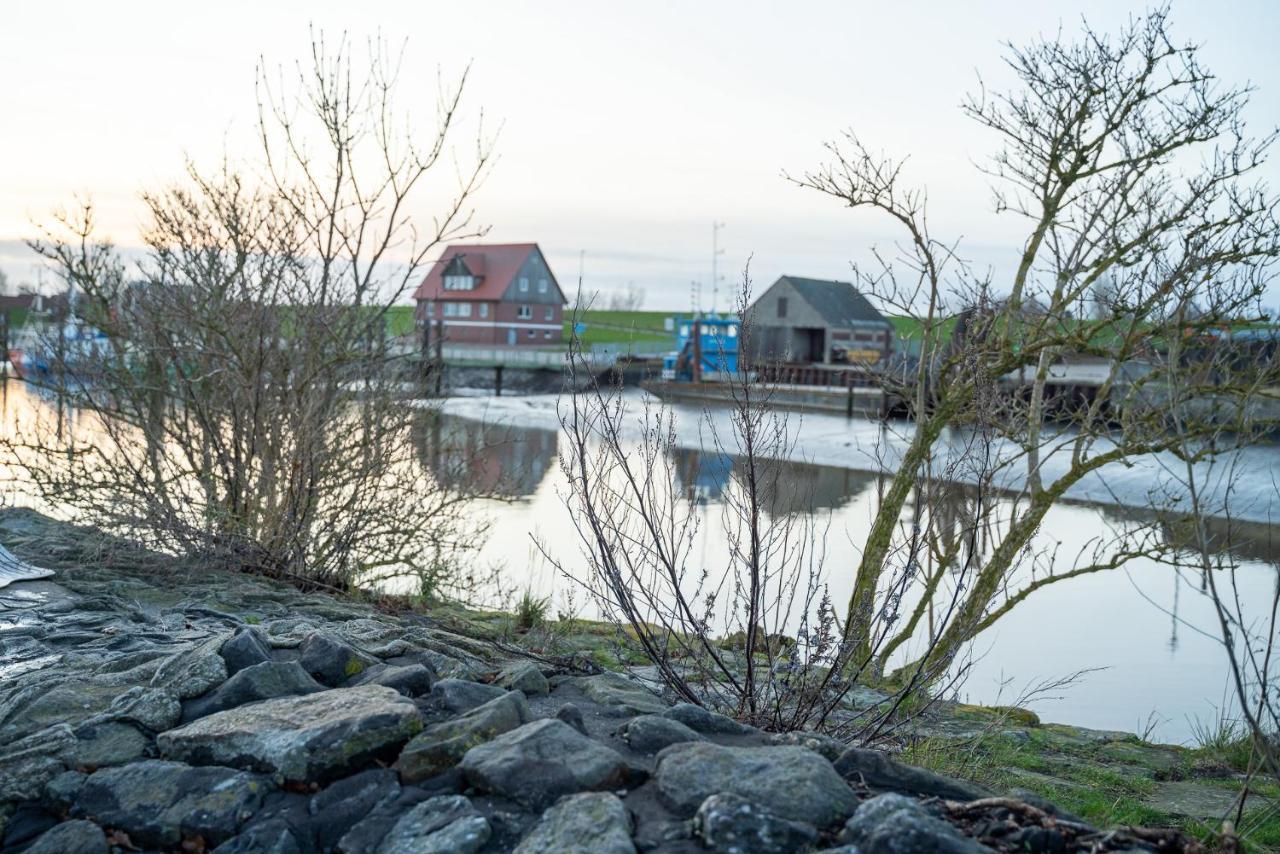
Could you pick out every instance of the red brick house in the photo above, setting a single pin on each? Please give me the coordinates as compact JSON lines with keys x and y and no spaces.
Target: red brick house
{"x":492,"y":294}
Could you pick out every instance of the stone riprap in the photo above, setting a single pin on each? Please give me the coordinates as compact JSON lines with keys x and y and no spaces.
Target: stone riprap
{"x":217,"y":712}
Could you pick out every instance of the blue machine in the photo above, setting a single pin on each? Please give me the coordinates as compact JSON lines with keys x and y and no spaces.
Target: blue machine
{"x":706,"y":349}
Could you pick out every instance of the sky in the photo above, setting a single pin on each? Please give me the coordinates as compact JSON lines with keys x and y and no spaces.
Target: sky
{"x":626,"y":129}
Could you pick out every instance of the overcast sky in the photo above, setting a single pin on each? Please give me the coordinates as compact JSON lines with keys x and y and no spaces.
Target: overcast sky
{"x":626,"y":129}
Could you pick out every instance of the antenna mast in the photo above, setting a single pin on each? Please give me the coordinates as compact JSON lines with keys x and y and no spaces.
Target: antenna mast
{"x":716,"y":252}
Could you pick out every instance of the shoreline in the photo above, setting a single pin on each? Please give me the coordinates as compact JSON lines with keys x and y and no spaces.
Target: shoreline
{"x":1107,"y":778}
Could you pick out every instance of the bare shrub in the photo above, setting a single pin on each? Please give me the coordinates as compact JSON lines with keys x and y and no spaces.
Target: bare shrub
{"x":244,"y":401}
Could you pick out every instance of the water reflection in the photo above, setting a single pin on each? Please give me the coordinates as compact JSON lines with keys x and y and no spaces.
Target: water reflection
{"x":502,"y":461}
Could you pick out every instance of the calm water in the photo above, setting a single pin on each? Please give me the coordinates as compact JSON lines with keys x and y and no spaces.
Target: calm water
{"x":1122,"y":621}
{"x":1147,"y":627}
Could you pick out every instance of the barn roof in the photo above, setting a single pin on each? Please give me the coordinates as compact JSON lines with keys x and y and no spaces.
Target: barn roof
{"x":839,"y":303}
{"x":494,"y":264}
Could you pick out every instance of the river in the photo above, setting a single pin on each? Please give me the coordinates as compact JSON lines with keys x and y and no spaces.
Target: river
{"x":1145,"y":632}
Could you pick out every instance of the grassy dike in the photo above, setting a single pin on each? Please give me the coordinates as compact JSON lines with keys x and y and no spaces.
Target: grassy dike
{"x":1107,"y":778}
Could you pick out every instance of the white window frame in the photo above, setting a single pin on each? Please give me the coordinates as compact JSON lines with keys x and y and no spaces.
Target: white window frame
{"x":524,"y":284}
{"x":524,"y":312}
{"x":530,"y":333}
{"x":484,"y":309}
{"x":550,"y":313}
{"x":542,"y":286}
{"x":459,"y":283}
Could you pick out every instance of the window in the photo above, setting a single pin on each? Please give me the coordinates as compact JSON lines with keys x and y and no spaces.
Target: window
{"x":551,"y":314}
{"x":457,"y":309}
{"x":458,"y":283}
{"x":530,"y":333}
{"x":431,"y":309}
{"x":484,"y":309}
{"x":524,"y":313}
{"x":733,"y":332}
{"x":782,"y":306}
{"x":542,"y":286}
{"x":464,"y":309}
{"x":524,"y":285}
{"x":547,"y":335}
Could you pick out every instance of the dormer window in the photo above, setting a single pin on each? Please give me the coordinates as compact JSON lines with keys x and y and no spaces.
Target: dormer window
{"x":459,"y":282}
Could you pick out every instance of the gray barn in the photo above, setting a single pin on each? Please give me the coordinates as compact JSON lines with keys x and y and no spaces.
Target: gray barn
{"x":815,"y":320}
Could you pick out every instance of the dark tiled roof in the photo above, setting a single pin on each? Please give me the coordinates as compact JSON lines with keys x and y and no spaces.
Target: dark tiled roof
{"x":839,"y":303}
{"x":494,"y":264}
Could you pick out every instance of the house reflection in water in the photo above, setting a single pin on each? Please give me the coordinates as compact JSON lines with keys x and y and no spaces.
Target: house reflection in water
{"x":703,"y":477}
{"x":498,"y":460}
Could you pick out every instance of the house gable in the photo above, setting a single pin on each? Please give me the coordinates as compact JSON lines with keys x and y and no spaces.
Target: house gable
{"x":534,"y":282}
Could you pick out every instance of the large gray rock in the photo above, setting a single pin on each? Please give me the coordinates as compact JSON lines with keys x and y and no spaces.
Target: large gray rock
{"x":461,"y":695}
{"x":158,"y":803}
{"x":264,"y":681}
{"x":895,"y":824}
{"x":193,"y":671}
{"x":621,"y":694}
{"x":541,"y":761}
{"x":27,"y":764}
{"x":446,"y":824}
{"x":332,"y":661}
{"x":412,"y":680}
{"x":729,"y":824}
{"x":245,"y":649}
{"x":523,"y":676}
{"x":273,"y":836}
{"x":313,"y":737}
{"x":795,"y":782}
{"x":441,"y":746}
{"x":99,"y":745}
{"x":71,"y":837}
{"x":651,"y":733}
{"x":154,"y":709}
{"x":875,"y":769}
{"x":706,"y":721}
{"x":586,"y":823}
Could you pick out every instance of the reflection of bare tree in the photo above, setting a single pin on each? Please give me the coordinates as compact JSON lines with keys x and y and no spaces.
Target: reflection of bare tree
{"x":497,"y":460}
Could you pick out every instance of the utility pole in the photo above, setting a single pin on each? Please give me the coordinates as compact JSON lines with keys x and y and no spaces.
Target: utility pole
{"x":716,"y":252}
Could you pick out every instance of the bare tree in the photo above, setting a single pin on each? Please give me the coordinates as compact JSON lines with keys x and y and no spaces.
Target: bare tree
{"x":632,"y":299}
{"x":1130,"y":164}
{"x":752,"y":633}
{"x":244,"y":401}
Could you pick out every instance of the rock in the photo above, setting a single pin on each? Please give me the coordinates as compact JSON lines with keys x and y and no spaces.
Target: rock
{"x":706,"y":721}
{"x":621,"y":694}
{"x":71,"y":837}
{"x":61,"y":791}
{"x":308,"y":738}
{"x":572,"y":715}
{"x":523,"y":676}
{"x":245,"y":649}
{"x":863,"y":765}
{"x":460,"y":695}
{"x":27,"y":764}
{"x":273,"y":836}
{"x":193,"y":671}
{"x":729,"y":824}
{"x":23,"y":824}
{"x":158,"y":803}
{"x":108,"y":743}
{"x":587,"y":823}
{"x":541,"y":761}
{"x":151,"y":708}
{"x":330,"y":660}
{"x":441,"y":746}
{"x":264,"y":681}
{"x":651,"y":733}
{"x":829,"y":748}
{"x":895,"y":824}
{"x":794,"y":782}
{"x":446,"y":824}
{"x":412,"y":680}
{"x":344,"y":804}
